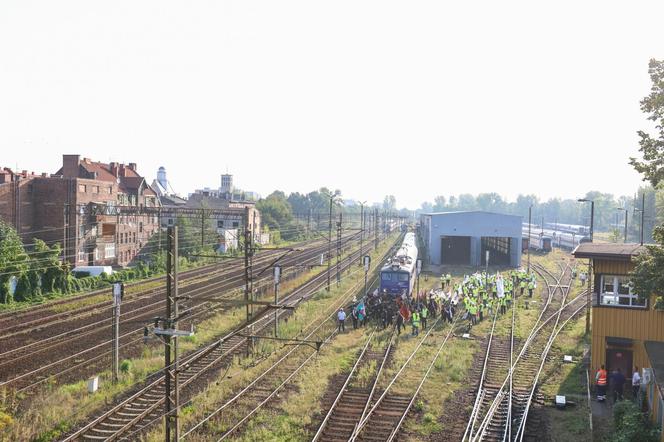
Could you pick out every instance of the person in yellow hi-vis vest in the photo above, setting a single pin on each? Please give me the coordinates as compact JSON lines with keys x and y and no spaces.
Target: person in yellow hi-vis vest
{"x":416,"y":323}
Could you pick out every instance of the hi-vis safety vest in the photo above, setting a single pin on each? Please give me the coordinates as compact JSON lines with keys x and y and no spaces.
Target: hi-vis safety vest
{"x":416,"y":319}
{"x":601,"y":379}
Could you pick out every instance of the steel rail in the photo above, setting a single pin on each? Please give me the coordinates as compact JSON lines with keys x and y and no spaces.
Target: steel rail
{"x":522,"y":425}
{"x":319,"y":433}
{"x":253,"y":411}
{"x":261,"y":316}
{"x":533,"y":334}
{"x":202,"y":292}
{"x":395,"y":431}
{"x":480,"y":398}
{"x":375,"y":381}
{"x":380,"y":399}
{"x":480,"y":391}
{"x":331,"y":309}
{"x":501,"y":394}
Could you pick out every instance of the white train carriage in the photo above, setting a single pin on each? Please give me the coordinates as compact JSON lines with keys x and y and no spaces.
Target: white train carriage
{"x":536,"y":240}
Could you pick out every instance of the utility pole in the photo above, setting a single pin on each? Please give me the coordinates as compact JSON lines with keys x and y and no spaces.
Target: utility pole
{"x":248,"y":289}
{"x":277,"y":279}
{"x":375,"y":229}
{"x":309,"y":222}
{"x":626,"y":213}
{"x":367,"y":264}
{"x":171,"y":352}
{"x":329,"y":246}
{"x":361,"y":231}
{"x":339,"y":249}
{"x":118,"y":292}
{"x":202,"y":228}
{"x":530,"y":215}
{"x":592,"y":221}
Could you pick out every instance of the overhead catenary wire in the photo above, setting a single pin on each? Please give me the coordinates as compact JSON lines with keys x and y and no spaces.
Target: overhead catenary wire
{"x":134,"y":331}
{"x":143,"y":253}
{"x":297,"y":300}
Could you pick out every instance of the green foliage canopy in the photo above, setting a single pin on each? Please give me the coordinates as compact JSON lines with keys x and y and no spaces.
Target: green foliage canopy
{"x":652,"y":146}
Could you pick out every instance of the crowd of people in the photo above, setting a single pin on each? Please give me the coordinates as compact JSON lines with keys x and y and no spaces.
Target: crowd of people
{"x":616,"y":381}
{"x":481,"y":295}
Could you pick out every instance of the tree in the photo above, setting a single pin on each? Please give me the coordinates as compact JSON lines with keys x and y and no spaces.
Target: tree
{"x":648,"y":274}
{"x":647,"y":277}
{"x":46,"y":272}
{"x":389,"y":203}
{"x":14,"y":263}
{"x":275,"y":210}
{"x":652,"y":146}
{"x":439,"y":203}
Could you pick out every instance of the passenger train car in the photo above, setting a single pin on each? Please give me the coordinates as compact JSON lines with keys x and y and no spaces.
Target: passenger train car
{"x":398,"y":275}
{"x":536,"y":240}
{"x":545,"y":239}
{"x":568,"y":228}
{"x":566,"y":240}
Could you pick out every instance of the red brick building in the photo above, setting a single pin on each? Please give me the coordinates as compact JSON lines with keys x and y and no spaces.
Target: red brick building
{"x":81,"y":207}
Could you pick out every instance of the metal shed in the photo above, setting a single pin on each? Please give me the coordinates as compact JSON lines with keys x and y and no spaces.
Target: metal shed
{"x":462,"y":238}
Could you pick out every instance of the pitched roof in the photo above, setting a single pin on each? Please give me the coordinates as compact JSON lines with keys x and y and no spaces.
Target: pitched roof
{"x":623,"y":252}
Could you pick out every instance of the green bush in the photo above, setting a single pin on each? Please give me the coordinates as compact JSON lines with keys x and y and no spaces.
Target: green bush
{"x":126,"y":366}
{"x":631,"y":425}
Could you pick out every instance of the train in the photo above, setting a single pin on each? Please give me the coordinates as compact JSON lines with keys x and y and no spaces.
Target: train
{"x":536,"y":241}
{"x":397,"y":276}
{"x":545,"y":239}
{"x":568,"y":228}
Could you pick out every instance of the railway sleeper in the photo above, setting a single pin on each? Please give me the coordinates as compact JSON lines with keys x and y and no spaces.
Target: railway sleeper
{"x":94,"y":437}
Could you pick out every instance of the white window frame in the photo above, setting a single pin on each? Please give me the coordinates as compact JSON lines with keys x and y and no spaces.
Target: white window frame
{"x":613,"y":299}
{"x":109,"y":250}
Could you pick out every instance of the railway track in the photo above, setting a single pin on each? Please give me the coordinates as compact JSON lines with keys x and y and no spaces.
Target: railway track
{"x":235,"y":412}
{"x":383,"y":420}
{"x":136,"y":414}
{"x":34,"y":363}
{"x":508,"y":383}
{"x":353,"y":399}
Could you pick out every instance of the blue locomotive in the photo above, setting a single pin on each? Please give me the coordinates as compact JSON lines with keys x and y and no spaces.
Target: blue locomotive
{"x":398,"y":275}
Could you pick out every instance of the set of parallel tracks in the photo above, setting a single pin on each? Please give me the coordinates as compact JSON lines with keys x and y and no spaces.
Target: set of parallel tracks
{"x":353,"y":399}
{"x":135,"y":415}
{"x":385,"y":415}
{"x":70,"y":351}
{"x":504,"y":396}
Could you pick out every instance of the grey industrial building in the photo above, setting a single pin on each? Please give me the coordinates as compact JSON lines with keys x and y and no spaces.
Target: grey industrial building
{"x":462,"y":238}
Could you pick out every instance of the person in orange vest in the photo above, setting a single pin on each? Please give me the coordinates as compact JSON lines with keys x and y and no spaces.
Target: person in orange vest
{"x":600,"y":381}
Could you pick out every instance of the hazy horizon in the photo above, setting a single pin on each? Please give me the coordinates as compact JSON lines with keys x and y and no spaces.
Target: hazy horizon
{"x":374,"y":98}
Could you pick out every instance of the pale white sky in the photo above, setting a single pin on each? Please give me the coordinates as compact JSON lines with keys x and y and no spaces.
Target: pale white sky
{"x":411,"y":98}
